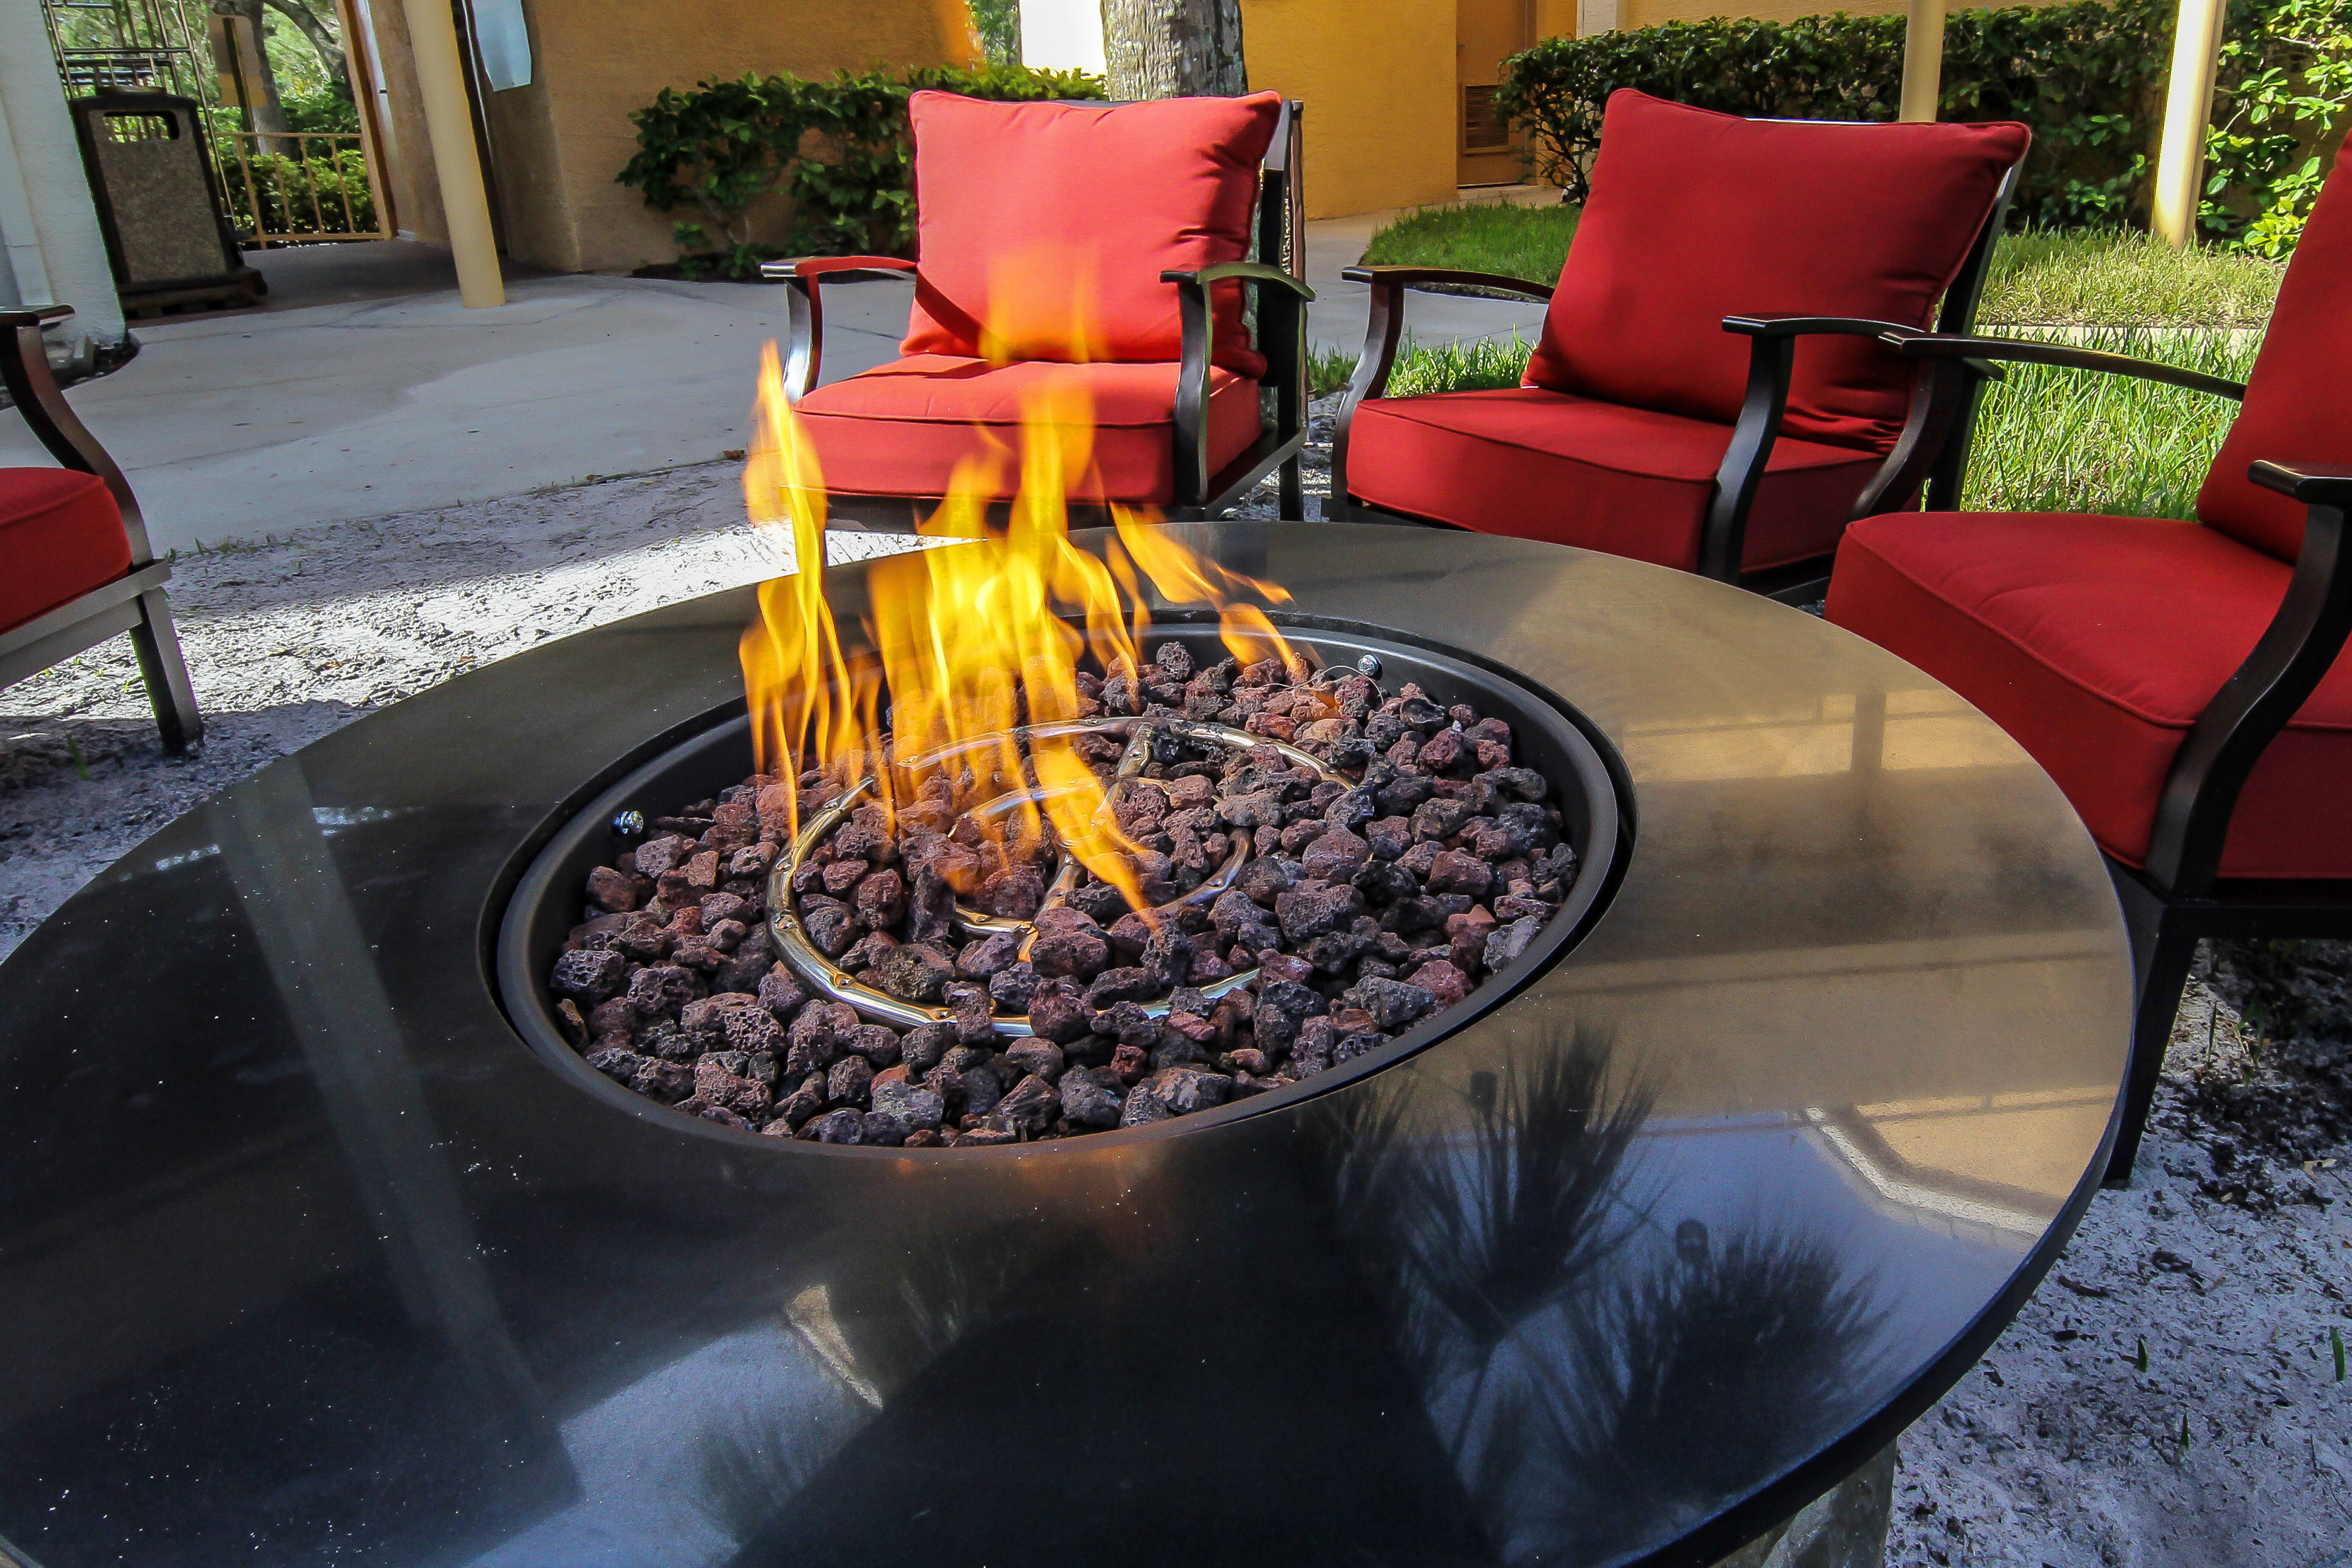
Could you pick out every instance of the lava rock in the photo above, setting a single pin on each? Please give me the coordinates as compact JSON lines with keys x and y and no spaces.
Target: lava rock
{"x":1283,"y":1006}
{"x":849,"y":1078}
{"x":589,"y":975}
{"x":913,"y":974}
{"x":1442,"y":980}
{"x":1037,"y":1058}
{"x":1132,"y":984}
{"x":1070,"y":943}
{"x":1392,"y":1003}
{"x":918,"y":1106}
{"x":1087,"y":1103}
{"x":923,"y":1046}
{"x":1028,"y":1107}
{"x":1506,"y":943}
{"x":1012,"y":988}
{"x":990,"y":956}
{"x":1311,"y":908}
{"x":1459,"y":871}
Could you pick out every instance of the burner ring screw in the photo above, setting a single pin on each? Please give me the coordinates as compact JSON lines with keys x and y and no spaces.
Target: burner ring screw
{"x":1369,"y":665}
{"x":628,"y":825}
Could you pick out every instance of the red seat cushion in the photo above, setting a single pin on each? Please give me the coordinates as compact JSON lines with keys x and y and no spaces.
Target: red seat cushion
{"x":1041,"y":228}
{"x":1543,"y":464}
{"x":2296,"y":408}
{"x":2095,"y":641}
{"x":1695,"y":216}
{"x":61,"y":536}
{"x":901,"y":429}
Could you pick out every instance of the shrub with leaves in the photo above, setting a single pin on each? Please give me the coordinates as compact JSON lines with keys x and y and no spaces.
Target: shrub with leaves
{"x":2087,"y":78}
{"x":839,"y":149}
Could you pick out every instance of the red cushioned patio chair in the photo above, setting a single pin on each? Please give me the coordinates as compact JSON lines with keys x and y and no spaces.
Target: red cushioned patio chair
{"x":1669,"y":412}
{"x":2179,"y":679}
{"x":75,"y":567}
{"x":1091,"y":246}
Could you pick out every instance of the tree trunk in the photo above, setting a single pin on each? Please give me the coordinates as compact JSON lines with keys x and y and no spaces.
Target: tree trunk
{"x":320,"y":33}
{"x":1173,"y":48}
{"x":261,"y":84}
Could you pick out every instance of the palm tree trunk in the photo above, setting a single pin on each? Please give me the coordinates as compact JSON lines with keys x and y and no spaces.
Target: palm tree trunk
{"x":1173,"y":48}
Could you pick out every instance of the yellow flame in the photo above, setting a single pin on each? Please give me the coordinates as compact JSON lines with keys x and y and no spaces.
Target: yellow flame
{"x":954,"y":625}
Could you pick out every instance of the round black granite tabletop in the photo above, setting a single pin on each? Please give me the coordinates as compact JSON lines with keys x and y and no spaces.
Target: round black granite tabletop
{"x":305,"y":1258}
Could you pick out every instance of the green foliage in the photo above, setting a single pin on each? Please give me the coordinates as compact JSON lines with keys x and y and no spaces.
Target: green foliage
{"x":997,"y":25}
{"x":1479,"y":237}
{"x":2087,"y":78}
{"x":839,"y":149}
{"x":327,"y":110}
{"x":2115,"y":278}
{"x":2278,"y":103}
{"x":2052,"y":439}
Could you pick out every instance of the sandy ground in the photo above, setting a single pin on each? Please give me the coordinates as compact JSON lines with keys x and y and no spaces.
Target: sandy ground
{"x":2228,"y":1441}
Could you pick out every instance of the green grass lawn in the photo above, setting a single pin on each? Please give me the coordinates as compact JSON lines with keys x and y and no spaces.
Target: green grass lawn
{"x":1526,"y":243}
{"x":2121,"y":280}
{"x":2051,"y":440}
{"x":2048,"y":440}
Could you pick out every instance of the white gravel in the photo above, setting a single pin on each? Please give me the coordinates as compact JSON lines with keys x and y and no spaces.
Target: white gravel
{"x":2058,"y":1449}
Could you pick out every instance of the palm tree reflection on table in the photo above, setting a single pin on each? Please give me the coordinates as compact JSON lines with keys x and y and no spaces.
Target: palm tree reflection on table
{"x":1571,"y":1393}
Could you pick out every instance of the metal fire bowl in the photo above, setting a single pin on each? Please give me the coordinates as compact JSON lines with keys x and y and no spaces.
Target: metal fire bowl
{"x":1549,"y":736}
{"x":306,"y":1254}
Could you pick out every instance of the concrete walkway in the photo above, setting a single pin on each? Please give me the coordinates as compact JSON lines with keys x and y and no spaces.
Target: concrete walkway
{"x":365,"y":389}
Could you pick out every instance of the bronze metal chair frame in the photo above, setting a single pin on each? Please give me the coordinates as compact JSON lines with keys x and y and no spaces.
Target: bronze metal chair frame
{"x":134,"y":603}
{"x":2178,"y":896}
{"x":1278,"y":281}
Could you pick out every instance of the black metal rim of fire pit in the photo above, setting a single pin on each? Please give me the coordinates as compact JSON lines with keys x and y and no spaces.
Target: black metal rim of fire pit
{"x":531,"y":917}
{"x":304,"y":1254}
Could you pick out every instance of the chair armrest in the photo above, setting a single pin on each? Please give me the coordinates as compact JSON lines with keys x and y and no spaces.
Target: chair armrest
{"x":848,"y":269}
{"x":2066,"y":356}
{"x":1443,"y":276}
{"x":1811,"y":326}
{"x":803,"y":277}
{"x":2312,"y":484}
{"x":2293,"y":654}
{"x":1281,"y":325}
{"x":24,"y":372}
{"x":1238,"y":271}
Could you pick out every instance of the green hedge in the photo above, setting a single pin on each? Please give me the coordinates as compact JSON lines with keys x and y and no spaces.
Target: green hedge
{"x":839,"y":148}
{"x":2088,"y":78}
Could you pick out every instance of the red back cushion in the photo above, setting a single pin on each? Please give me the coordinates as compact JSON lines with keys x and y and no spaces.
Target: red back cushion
{"x":1041,"y":228}
{"x":2297,"y":410}
{"x":1696,"y":215}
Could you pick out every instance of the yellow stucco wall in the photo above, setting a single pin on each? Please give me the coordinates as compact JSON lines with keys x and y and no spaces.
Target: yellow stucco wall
{"x":557,"y":142}
{"x":1376,"y":77}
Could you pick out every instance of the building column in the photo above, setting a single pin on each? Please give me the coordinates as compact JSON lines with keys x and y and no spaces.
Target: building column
{"x":54,"y":251}
{"x":2187,"y":105}
{"x":456,"y":164}
{"x":1923,"y":61}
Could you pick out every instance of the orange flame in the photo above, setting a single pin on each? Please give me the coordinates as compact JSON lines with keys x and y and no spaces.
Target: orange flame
{"x":954,"y":625}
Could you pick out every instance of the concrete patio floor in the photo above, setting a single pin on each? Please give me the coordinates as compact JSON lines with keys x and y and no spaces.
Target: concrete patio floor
{"x":363,"y":387}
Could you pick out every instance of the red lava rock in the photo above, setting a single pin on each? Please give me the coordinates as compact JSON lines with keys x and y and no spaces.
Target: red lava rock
{"x":1068,"y":943}
{"x":702,"y":872}
{"x":1128,"y":1063}
{"x":1013,"y":893}
{"x":611,"y":889}
{"x":1059,"y":1017}
{"x":1458,"y":871}
{"x":1441,"y":979}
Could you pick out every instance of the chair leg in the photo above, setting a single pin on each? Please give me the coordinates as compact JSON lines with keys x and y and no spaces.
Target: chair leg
{"x":166,"y":674}
{"x":1292,"y":507}
{"x":2164,"y":972}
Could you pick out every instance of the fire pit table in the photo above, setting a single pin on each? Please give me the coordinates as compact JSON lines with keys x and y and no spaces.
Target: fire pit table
{"x":322,"y":1244}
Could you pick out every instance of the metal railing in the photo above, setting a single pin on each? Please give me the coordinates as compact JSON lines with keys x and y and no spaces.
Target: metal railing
{"x":293,"y":186}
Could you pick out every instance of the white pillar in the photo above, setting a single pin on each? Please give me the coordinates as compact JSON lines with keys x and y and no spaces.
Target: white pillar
{"x":449,"y":126}
{"x":1923,"y":61}
{"x":2187,"y":104}
{"x":1063,"y":36}
{"x":55,"y":253}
